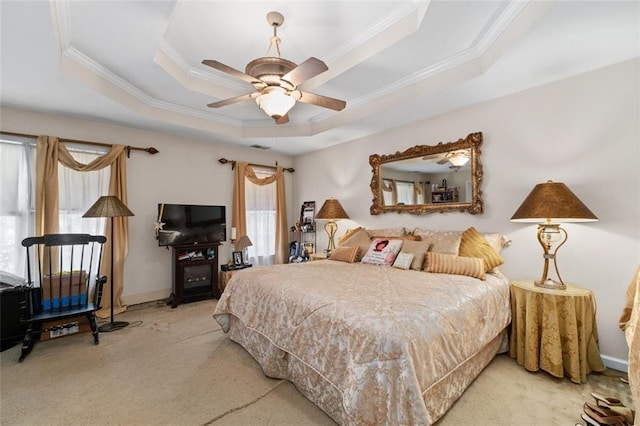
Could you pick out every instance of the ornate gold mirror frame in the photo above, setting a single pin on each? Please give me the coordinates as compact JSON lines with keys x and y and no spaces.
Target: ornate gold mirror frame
{"x":431,"y":185}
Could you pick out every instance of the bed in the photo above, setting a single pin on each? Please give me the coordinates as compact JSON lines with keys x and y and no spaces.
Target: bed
{"x":368,"y":344}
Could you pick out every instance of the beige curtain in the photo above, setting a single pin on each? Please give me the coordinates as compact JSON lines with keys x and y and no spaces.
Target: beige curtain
{"x":239,"y":219}
{"x":49,"y":151}
{"x":417,"y":192}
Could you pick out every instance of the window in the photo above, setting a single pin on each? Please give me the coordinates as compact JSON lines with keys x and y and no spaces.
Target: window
{"x":77,"y":192}
{"x":260,"y":203}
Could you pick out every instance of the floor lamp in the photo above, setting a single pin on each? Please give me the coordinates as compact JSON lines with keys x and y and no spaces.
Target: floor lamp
{"x":110,"y":206}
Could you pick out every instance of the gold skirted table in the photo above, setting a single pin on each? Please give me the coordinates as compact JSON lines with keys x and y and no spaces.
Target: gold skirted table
{"x":554,"y":330}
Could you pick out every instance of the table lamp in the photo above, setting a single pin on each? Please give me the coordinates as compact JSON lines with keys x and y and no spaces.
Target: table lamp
{"x":241,"y":244}
{"x":551,"y":202}
{"x":110,"y":206}
{"x":331,"y":210}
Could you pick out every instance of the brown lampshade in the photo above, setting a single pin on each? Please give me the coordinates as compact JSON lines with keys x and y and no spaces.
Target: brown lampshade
{"x":108,"y":206}
{"x":331,"y":209}
{"x":243,"y":242}
{"x":552,"y":201}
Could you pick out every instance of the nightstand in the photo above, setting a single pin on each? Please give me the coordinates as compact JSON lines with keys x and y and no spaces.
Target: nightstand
{"x":554,"y":330}
{"x":226,"y":272}
{"x":317,"y":256}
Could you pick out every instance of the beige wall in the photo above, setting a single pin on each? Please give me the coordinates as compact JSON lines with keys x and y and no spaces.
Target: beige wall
{"x":184,"y":171}
{"x":583,"y":131}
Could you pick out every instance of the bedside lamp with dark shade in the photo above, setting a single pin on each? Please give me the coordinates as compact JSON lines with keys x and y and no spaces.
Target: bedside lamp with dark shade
{"x":331,"y":210}
{"x":549,"y":203}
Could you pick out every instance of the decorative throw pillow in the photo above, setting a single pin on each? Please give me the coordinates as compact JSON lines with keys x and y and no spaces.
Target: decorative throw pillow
{"x":387,"y":232}
{"x":473,"y":244}
{"x":403,"y":237}
{"x":417,"y":249}
{"x":348,"y":234}
{"x":458,"y":265}
{"x":382,"y":251}
{"x":446,"y":242}
{"x":403,"y":261}
{"x":345,"y":254}
{"x":359,"y":238}
{"x":497,"y":241}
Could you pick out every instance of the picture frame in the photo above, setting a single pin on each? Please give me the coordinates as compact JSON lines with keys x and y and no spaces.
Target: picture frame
{"x":237,"y":258}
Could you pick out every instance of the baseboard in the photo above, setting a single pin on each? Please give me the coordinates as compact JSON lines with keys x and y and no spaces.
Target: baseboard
{"x":616,"y":364}
{"x":134,"y":299}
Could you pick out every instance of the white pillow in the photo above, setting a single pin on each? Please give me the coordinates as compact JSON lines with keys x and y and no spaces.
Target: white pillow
{"x":403,"y":261}
{"x":382,"y":251}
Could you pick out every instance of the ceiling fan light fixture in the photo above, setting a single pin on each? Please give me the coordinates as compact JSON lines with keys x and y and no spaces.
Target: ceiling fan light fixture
{"x":459,"y":159}
{"x":275,"y":101}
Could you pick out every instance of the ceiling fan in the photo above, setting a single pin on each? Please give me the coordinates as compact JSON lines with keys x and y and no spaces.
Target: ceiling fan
{"x":456,"y":158}
{"x":276,"y":80}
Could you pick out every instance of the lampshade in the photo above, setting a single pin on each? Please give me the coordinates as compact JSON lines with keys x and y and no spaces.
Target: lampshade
{"x":275,"y":101}
{"x":108,"y":206}
{"x":332,"y":209}
{"x":243,"y":242}
{"x":547,"y":203}
{"x":552,"y":201}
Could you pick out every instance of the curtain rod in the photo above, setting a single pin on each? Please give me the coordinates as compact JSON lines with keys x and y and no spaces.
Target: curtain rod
{"x":150,"y":150}
{"x":233,"y":165}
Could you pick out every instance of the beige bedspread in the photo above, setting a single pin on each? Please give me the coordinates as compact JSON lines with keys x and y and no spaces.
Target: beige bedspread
{"x":376,"y":338}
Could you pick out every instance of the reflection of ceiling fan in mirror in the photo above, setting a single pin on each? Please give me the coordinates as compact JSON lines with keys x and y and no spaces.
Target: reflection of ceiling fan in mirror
{"x":457,"y":158}
{"x":276,"y":80}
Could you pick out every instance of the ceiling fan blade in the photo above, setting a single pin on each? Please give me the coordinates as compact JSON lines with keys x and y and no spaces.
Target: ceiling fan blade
{"x":234,"y":100}
{"x":231,"y":71}
{"x":443,"y":161}
{"x":323,"y":101}
{"x":283,"y":120}
{"x":306,"y":70}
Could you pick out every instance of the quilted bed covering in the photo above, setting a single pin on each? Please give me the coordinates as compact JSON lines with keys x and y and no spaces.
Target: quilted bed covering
{"x":366,"y":343}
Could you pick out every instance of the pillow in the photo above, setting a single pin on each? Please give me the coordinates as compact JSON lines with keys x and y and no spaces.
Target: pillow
{"x":359,"y":238}
{"x":417,"y":249}
{"x":473,"y":244}
{"x":497,"y":241}
{"x":348,"y":234}
{"x":382,"y":251}
{"x":344,"y":254}
{"x":452,"y":264}
{"x":387,"y":232}
{"x":403,"y":237}
{"x":403,"y":261}
{"x":446,"y":242}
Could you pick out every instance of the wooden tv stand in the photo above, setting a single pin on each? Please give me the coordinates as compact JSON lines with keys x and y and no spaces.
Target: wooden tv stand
{"x":195,"y":272}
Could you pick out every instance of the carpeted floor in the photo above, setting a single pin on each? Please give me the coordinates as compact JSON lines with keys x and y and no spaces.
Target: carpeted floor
{"x":176,"y":367}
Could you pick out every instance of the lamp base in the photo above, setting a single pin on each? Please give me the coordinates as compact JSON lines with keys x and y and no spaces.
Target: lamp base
{"x":551,"y":284}
{"x":112,"y":326}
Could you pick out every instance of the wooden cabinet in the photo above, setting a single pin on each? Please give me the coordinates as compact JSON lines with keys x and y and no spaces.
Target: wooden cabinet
{"x":195,"y":272}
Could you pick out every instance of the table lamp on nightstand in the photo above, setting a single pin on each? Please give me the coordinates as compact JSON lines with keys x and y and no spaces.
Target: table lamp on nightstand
{"x":551,"y":202}
{"x":331,"y":210}
{"x":241,"y":244}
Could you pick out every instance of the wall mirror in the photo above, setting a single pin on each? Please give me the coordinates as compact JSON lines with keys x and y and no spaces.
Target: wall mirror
{"x":429,"y":178}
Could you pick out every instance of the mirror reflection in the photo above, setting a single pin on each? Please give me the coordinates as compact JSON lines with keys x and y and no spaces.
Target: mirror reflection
{"x":427,"y":178}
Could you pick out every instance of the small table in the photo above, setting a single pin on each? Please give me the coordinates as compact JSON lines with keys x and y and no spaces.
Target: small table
{"x":226,"y":272}
{"x":317,"y":256}
{"x":554,"y":330}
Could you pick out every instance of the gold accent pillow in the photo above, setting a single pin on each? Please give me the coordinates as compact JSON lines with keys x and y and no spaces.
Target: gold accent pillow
{"x":473,"y":244}
{"x":348,"y":234}
{"x":452,"y":264}
{"x":358,"y":238}
{"x":345,"y":254}
{"x":418,"y":250}
{"x":446,"y":242}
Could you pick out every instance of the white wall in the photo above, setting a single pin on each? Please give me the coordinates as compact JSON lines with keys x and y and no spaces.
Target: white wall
{"x":583,"y":131}
{"x":184,"y":171}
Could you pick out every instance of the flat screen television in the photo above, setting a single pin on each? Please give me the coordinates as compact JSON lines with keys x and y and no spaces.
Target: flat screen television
{"x":191,"y":224}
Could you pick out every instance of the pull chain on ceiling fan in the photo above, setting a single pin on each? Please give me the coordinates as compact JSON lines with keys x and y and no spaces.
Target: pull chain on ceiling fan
{"x":276,"y":80}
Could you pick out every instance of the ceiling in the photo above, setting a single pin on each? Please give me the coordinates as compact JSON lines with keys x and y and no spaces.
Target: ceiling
{"x":138,"y":63}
